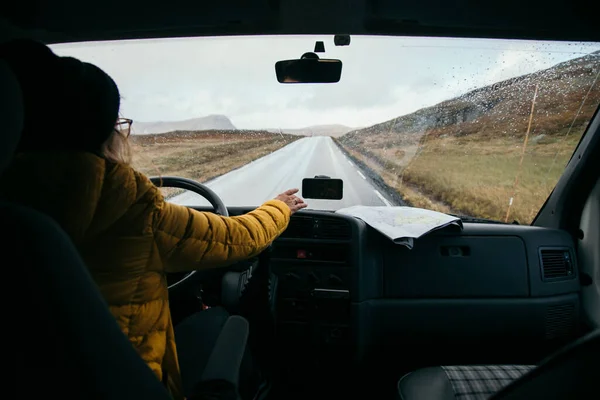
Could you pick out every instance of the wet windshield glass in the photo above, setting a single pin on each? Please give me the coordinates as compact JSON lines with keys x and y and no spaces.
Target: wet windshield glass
{"x":482,"y":128}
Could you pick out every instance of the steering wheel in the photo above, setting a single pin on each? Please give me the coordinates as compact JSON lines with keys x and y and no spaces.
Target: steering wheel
{"x":202,"y":190}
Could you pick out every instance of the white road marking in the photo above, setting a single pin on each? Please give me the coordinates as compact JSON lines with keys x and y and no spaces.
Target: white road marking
{"x":361,"y":175}
{"x":350,"y":162}
{"x":387,"y":203}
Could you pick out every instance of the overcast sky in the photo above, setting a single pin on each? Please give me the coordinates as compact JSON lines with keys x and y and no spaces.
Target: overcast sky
{"x":382,"y":77}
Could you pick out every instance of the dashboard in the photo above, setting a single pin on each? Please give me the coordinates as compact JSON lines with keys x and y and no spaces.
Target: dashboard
{"x":487,"y":293}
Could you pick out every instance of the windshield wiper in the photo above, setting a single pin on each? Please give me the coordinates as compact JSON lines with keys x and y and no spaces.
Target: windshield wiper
{"x":467,"y":218}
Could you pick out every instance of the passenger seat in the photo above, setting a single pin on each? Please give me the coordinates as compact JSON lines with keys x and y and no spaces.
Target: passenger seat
{"x":464,"y":382}
{"x":571,"y":373}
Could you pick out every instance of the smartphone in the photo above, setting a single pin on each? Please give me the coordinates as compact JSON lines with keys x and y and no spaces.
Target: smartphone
{"x":321,"y":187}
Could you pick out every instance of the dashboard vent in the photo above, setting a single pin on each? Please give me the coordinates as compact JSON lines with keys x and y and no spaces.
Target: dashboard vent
{"x":302,"y":227}
{"x":556,"y":264}
{"x":332,"y":228}
{"x":299,"y":227}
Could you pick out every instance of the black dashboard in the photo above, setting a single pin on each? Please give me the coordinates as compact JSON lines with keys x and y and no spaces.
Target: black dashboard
{"x":488,"y":285}
{"x":486,"y":293}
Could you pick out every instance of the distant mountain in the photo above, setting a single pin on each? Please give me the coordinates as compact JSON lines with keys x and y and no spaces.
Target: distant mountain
{"x":334,"y":130}
{"x":210,"y":122}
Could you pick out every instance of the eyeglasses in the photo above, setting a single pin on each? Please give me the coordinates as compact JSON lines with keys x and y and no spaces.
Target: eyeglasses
{"x":123,"y":126}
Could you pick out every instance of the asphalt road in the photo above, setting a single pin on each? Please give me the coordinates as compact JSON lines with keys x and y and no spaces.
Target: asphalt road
{"x":265,"y":178}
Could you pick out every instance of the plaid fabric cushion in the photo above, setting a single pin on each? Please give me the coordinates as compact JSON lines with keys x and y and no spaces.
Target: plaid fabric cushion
{"x":479,"y":382}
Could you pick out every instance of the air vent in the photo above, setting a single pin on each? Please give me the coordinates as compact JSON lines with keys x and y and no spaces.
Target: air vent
{"x":556,"y":264}
{"x":560,"y":321}
{"x":299,"y":227}
{"x":318,"y":228}
{"x":332,"y":228}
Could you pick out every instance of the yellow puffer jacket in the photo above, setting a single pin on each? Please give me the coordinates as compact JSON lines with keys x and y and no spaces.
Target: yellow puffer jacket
{"x":129,"y":237}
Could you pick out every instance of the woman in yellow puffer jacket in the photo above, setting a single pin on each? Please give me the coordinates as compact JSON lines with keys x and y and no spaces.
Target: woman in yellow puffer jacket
{"x":73,"y":164}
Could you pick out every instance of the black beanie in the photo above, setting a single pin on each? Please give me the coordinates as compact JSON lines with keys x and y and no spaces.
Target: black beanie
{"x":68,"y":104}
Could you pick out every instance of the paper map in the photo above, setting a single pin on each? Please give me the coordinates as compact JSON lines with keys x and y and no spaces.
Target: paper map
{"x":401,"y":224}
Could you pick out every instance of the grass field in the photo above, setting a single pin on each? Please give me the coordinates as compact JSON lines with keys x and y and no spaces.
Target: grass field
{"x":476,"y":177}
{"x":464,"y":155}
{"x":203,"y":155}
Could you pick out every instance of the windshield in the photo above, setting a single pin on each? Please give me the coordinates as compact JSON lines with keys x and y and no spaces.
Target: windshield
{"x":482,"y":128}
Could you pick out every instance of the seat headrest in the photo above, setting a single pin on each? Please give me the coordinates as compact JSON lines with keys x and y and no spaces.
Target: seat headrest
{"x":11,"y":114}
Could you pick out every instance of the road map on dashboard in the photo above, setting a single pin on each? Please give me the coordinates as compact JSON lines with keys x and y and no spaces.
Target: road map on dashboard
{"x":402,"y":224}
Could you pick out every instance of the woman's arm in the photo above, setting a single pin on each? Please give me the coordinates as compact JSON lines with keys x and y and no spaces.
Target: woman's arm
{"x":188,"y":239}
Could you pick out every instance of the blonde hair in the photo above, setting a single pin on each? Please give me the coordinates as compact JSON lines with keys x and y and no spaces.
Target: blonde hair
{"x":117,"y":148}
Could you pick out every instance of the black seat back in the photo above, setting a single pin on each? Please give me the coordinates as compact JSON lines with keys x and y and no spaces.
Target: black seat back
{"x":65,"y":342}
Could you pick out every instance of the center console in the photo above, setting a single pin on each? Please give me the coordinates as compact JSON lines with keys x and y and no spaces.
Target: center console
{"x":313,"y":292}
{"x":313,"y":265}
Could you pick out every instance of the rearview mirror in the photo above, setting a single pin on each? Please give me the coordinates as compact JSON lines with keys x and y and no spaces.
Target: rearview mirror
{"x":309,"y":70}
{"x":322,"y":187}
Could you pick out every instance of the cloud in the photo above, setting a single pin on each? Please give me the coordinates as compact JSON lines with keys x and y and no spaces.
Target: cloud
{"x":383,"y":77}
